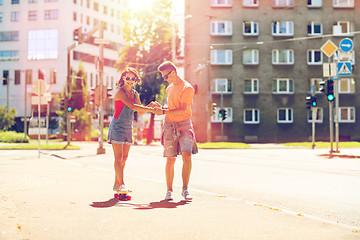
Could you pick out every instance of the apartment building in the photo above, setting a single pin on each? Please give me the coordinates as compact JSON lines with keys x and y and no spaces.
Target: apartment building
{"x":34,"y":39}
{"x":259,"y":59}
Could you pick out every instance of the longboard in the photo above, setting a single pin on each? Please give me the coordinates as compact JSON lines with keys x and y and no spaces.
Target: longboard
{"x":122,"y":196}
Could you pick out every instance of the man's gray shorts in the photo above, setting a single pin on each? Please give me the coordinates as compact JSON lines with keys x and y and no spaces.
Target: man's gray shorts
{"x":178,"y":137}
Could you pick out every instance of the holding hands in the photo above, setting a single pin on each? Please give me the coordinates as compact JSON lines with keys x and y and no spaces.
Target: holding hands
{"x":157,"y":108}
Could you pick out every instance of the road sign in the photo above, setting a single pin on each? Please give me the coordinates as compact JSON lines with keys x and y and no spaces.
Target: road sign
{"x":346,"y":45}
{"x":344,"y":68}
{"x":42,"y":88}
{"x":72,"y":118}
{"x":329,"y":48}
{"x":329,"y":70}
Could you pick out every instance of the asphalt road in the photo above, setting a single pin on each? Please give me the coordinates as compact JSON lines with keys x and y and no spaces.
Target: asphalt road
{"x":266,"y":193}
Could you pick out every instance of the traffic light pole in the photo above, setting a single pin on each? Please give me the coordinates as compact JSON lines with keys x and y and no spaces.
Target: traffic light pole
{"x":101,"y":150}
{"x":222,"y":119}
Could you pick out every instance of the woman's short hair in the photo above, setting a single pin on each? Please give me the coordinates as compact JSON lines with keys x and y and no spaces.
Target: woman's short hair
{"x":120,"y":81}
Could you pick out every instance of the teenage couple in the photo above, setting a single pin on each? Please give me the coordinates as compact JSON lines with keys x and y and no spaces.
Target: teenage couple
{"x":178,"y":136}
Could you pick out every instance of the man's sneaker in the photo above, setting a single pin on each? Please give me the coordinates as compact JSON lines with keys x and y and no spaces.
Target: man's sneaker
{"x":169,"y":195}
{"x":185,"y":193}
{"x":124,"y":189}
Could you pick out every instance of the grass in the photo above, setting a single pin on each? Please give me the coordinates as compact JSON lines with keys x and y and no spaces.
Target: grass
{"x":323,"y":144}
{"x":53,"y":144}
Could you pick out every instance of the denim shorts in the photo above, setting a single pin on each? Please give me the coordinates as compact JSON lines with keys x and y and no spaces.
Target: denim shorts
{"x":178,"y":137}
{"x":120,"y":132}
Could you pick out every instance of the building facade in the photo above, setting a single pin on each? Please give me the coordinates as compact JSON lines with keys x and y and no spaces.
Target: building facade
{"x":34,"y":39}
{"x":259,"y":60}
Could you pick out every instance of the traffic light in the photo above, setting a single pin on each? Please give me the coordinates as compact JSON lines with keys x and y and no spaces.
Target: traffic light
{"x":62,"y":104}
{"x":92,"y":95}
{"x":313,"y":101}
{"x":222,"y":114}
{"x":330,"y":90}
{"x":108,"y":93}
{"x":78,"y":36}
{"x":213,"y":108}
{"x":69,"y":107}
{"x":322,"y":87}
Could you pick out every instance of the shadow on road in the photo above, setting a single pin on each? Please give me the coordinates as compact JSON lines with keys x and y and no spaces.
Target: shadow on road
{"x":153,"y":205}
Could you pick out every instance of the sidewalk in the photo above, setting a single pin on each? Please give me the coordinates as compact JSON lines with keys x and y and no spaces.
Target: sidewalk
{"x":54,"y":198}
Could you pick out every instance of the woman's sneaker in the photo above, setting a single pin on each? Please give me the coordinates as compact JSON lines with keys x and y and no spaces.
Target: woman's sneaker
{"x":115,"y":189}
{"x":124,"y":189}
{"x":185,"y":193}
{"x":169,"y":195}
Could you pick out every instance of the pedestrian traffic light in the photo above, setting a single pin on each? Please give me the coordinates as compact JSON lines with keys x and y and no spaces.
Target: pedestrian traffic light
{"x":69,"y":107}
{"x":308,"y":101}
{"x":330,"y":90}
{"x":322,"y":87}
{"x":62,"y":104}
{"x":108,"y":93}
{"x":92,"y":95}
{"x":224,"y":114}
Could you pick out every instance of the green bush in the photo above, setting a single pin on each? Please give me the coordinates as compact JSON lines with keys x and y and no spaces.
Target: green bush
{"x":13,"y":137}
{"x":95,"y":134}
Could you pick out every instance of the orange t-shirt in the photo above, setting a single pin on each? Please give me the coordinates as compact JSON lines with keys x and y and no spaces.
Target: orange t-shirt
{"x":177,"y":94}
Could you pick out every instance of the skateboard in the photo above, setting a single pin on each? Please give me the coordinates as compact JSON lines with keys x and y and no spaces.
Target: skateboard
{"x":122,"y":196}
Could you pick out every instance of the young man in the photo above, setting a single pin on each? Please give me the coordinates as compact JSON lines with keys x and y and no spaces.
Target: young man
{"x":178,"y":135}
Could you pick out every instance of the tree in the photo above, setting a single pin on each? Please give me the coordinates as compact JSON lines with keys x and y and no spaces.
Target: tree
{"x":148,"y":34}
{"x":7,"y":118}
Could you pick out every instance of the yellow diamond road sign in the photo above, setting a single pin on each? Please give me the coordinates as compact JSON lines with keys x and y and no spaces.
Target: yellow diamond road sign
{"x":329,"y":48}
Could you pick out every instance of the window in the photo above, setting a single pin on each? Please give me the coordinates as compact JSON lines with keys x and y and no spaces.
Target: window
{"x":318,"y":115}
{"x":105,"y":9}
{"x":314,"y":57}
{"x":314,"y":3}
{"x":221,"y":85}
{"x":343,"y":28}
{"x":285,"y":28}
{"x":282,"y":57}
{"x":251,"y":86}
{"x":221,"y":57}
{"x":17,"y":77}
{"x":222,"y":28}
{"x":343,"y":3}
{"x":51,"y":0}
{"x":250,"y":28}
{"x":251,"y":116}
{"x":229,"y":115}
{"x":96,"y":6}
{"x":347,"y":115}
{"x":314,"y":28}
{"x":345,"y":56}
{"x":51,"y":14}
{"x":42,"y":44}
{"x":15,"y":1}
{"x":32,"y":16}
{"x":283,"y":86}
{"x":284,"y":115}
{"x":251,"y":57}
{"x":32,"y":1}
{"x":1,"y":16}
{"x":250,"y":3}
{"x":28,"y":76}
{"x":346,"y":85}
{"x":8,"y":55}
{"x":15,"y":16}
{"x":283,"y":3}
{"x":315,"y":84}
{"x":221,"y":3}
{"x":9,"y":36}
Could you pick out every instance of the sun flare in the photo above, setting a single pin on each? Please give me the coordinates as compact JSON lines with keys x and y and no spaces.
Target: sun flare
{"x":135,"y":5}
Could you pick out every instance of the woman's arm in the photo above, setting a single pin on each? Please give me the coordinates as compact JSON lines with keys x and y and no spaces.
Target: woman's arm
{"x":121,"y":95}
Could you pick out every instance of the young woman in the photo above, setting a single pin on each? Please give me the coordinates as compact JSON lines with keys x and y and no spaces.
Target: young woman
{"x":126,"y":101}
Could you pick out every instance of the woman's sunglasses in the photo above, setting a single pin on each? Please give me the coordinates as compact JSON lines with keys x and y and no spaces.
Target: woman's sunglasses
{"x":130,"y":78}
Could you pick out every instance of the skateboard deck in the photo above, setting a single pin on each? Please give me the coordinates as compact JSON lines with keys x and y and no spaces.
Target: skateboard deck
{"x":122,"y":196}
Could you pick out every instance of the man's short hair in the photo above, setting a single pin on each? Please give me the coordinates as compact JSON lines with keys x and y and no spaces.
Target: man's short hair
{"x":167,"y":65}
